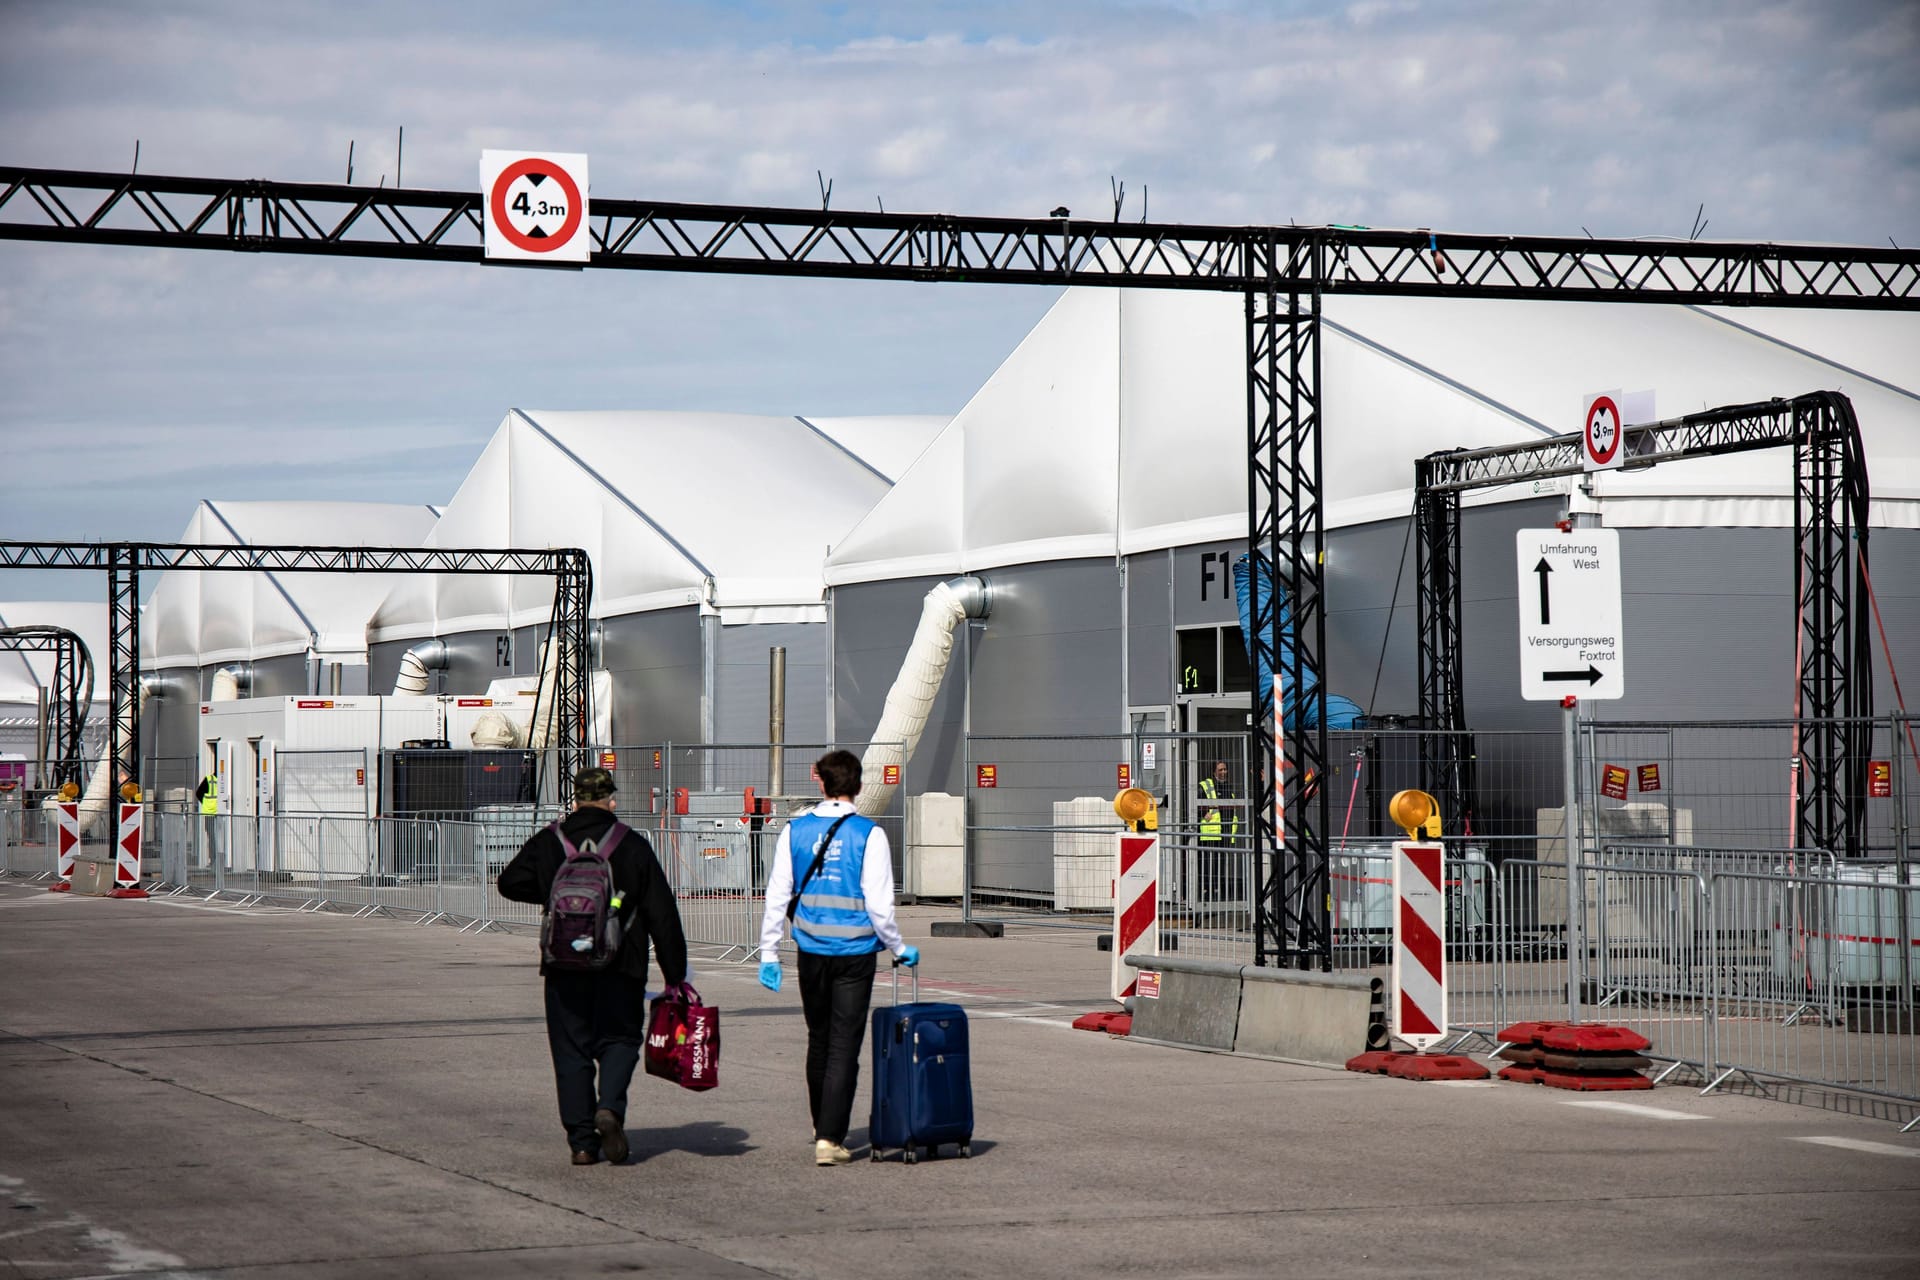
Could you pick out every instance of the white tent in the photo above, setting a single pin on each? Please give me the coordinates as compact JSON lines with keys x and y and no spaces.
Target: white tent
{"x":200,"y":619}
{"x":731,"y":512}
{"x":1119,"y":424}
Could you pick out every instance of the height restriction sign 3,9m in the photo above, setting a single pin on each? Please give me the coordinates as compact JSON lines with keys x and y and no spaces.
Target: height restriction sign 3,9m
{"x":535,"y":206}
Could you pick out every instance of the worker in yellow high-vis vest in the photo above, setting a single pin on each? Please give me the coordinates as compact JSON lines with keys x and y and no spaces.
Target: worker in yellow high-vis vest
{"x":1219,"y":835}
{"x":208,"y":794}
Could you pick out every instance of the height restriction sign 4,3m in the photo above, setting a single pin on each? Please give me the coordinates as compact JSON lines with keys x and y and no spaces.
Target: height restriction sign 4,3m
{"x":535,"y":206}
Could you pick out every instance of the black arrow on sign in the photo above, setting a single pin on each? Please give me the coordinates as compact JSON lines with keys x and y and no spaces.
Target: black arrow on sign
{"x":1591,"y":675}
{"x":1543,"y":569}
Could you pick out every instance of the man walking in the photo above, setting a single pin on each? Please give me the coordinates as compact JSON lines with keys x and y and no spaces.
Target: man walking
{"x":208,"y":794}
{"x":842,"y":913}
{"x":598,"y":1016}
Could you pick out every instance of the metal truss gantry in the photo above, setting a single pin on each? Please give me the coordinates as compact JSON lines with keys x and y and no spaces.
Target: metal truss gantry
{"x":1830,"y":498}
{"x":123,"y":562}
{"x":1283,"y":273}
{"x":69,"y":697}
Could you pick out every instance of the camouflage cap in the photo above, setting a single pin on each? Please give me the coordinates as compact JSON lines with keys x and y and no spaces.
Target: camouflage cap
{"x":593,"y":784}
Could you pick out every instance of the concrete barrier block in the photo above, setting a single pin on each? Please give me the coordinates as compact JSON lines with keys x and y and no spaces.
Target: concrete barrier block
{"x":1315,"y":1017}
{"x":1198,"y":1004}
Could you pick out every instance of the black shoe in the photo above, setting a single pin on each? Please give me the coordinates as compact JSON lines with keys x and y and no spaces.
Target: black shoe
{"x":586,"y":1157}
{"x":613,"y":1138}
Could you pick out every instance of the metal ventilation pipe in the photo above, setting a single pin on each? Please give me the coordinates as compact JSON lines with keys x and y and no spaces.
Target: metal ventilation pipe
{"x":776,"y":719}
{"x":416,"y":662}
{"x":911,"y":698}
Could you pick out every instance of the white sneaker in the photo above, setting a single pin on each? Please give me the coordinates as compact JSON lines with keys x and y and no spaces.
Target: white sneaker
{"x":827,"y":1153}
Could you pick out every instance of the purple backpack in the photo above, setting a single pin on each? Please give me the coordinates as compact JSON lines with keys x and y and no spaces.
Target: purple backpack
{"x":581,"y":928}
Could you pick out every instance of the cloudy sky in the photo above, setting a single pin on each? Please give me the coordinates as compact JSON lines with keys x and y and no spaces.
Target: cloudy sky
{"x":138,"y":381}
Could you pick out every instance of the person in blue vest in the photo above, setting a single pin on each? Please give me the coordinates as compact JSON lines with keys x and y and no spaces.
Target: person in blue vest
{"x":842,"y":917}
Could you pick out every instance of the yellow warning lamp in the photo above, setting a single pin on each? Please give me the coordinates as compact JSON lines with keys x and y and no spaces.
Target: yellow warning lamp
{"x":130,"y":792}
{"x":1414,"y":811}
{"x":1136,"y":808}
{"x":69,"y":792}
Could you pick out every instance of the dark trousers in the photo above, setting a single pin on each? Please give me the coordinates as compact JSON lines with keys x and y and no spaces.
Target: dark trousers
{"x":834,"y":994}
{"x":593,"y":1018}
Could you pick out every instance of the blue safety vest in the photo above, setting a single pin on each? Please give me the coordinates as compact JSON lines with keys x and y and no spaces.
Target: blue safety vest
{"x":831,"y":919}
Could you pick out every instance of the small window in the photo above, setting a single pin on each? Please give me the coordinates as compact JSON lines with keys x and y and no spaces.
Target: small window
{"x":1235,"y":672}
{"x":1199,"y":660}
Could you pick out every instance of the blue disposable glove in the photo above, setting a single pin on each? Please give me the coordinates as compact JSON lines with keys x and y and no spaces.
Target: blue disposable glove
{"x":910,"y":957}
{"x":770,"y":975}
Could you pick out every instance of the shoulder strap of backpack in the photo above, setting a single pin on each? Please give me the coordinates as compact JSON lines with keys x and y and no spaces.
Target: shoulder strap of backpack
{"x":819,"y":856}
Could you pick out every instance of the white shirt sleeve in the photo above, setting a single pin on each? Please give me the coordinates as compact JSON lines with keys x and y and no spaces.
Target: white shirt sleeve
{"x":779,"y":890}
{"x":876,"y":885}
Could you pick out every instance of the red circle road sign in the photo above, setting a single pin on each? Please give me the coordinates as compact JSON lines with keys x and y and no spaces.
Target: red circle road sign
{"x":538,"y":171}
{"x":1603,"y":432}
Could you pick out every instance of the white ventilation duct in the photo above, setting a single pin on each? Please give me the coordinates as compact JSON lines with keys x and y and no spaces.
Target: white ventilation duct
{"x":494,"y":729}
{"x":93,"y":805}
{"x":911,"y":698}
{"x":540,"y":733}
{"x":416,"y":662}
{"x":229,"y":682}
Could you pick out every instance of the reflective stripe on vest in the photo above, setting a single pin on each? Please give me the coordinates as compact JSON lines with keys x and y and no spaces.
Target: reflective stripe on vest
{"x":1209,"y":820}
{"x":210,"y":803}
{"x":831,"y":916}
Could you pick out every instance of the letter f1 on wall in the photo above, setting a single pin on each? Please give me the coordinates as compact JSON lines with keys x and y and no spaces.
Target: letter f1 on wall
{"x":1570,"y":632}
{"x":535,"y":207}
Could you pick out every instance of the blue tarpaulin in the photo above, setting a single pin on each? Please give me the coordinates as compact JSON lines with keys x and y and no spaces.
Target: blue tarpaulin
{"x":1341,"y":712}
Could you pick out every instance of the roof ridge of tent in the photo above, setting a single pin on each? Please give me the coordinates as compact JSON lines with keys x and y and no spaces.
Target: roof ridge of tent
{"x":617,"y":494}
{"x":1453,"y":383}
{"x":1797,"y":349}
{"x":844,"y":449}
{"x":313,"y":632}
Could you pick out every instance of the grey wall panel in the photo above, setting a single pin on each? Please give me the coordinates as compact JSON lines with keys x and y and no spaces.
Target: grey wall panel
{"x":1149,"y":629}
{"x":741,"y":680}
{"x":170,"y":723}
{"x":475,"y":659}
{"x":1360,"y":578}
{"x":1048,"y":660}
{"x":1203,"y":583}
{"x":283,"y":677}
{"x":654,"y":659}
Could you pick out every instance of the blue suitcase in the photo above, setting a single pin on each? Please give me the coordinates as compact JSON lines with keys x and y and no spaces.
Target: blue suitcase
{"x":922,"y":1087}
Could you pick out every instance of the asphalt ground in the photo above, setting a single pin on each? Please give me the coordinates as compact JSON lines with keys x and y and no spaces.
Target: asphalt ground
{"x":194,"y":1089}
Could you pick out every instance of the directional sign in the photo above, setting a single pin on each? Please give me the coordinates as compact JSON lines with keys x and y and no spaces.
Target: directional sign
{"x":1570,"y":632}
{"x":535,"y":206}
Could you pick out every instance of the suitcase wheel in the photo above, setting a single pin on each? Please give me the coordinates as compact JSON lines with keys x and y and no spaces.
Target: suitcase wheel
{"x":873,"y":1154}
{"x":966,"y":1151}
{"x":909,"y":1157}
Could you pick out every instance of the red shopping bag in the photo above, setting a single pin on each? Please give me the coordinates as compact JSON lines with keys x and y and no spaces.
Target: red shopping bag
{"x":683,"y":1040}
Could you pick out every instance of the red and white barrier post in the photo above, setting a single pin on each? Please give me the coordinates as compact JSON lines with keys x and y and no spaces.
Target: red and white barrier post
{"x":1419,"y":922}
{"x":1419,"y":943}
{"x":66,"y":846}
{"x":126,"y":857}
{"x":1136,"y":905}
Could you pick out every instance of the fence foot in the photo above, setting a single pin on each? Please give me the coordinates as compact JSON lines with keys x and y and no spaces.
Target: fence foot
{"x":482,"y":926}
{"x":433,"y":917}
{"x":1730,"y":1072}
{"x":1908,"y":1126}
{"x":1473,"y":1034}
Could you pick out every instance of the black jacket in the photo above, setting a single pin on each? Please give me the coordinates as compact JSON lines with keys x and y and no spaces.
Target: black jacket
{"x":651,"y":913}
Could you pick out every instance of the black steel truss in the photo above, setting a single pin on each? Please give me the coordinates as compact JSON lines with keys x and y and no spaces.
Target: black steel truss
{"x":69,"y":697}
{"x":1267,"y":264}
{"x":123,"y":562}
{"x":316,"y":218}
{"x":1835,"y":671}
{"x":1285,"y":519}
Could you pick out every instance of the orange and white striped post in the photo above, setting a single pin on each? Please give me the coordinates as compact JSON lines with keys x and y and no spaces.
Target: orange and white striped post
{"x":66,"y":845}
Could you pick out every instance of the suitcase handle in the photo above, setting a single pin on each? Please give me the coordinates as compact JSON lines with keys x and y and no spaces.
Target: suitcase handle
{"x":896,"y":982}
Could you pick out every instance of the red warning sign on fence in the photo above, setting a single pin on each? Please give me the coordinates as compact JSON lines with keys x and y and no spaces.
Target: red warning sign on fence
{"x":986,"y":776}
{"x":890,"y":774}
{"x":608,"y":760}
{"x":1880,"y":779}
{"x":1649,"y":777}
{"x":1126,"y":776}
{"x":1613,"y":781}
